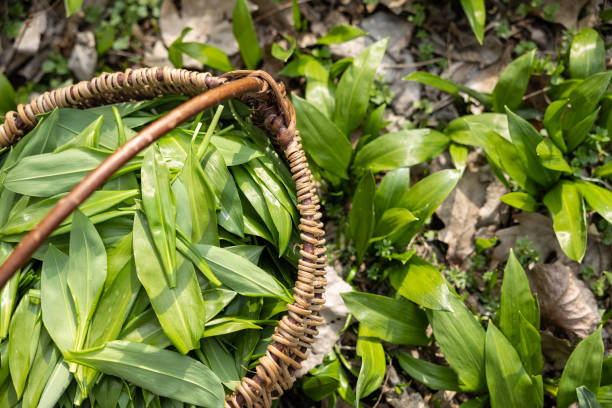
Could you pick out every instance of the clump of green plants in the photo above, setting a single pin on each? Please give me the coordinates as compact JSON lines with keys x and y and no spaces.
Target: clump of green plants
{"x":560,"y":164}
{"x":165,"y":286}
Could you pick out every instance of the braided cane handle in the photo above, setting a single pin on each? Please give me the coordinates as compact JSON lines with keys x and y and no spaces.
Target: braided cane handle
{"x":272,"y":110}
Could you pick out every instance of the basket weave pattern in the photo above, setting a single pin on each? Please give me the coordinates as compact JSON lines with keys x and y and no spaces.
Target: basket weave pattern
{"x":271,"y":110}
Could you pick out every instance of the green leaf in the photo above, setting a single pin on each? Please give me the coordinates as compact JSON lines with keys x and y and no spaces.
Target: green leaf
{"x":48,"y":174}
{"x":244,"y":31}
{"x":230,"y":216}
{"x":424,"y":198}
{"x":8,"y":293}
{"x":422,"y":283}
{"x":551,"y":156}
{"x":23,"y":340}
{"x":227,"y":325}
{"x":42,"y":368}
{"x":215,"y":300}
{"x":520,"y":200}
{"x":392,"y":221}
{"x":583,"y":368}
{"x":433,"y":376}
{"x":526,"y":139}
{"x":86,"y":272}
{"x":516,"y":298}
{"x":509,"y":384}
{"x":241,"y":275}
{"x":56,"y":385}
{"x":512,"y":83}
{"x":89,"y":137}
{"x":529,"y":347}
{"x":604,"y":396}
{"x":254,"y":195}
{"x":341,"y":33}
{"x":100,"y":201}
{"x":159,"y":205}
{"x":476,"y":15}
{"x":113,"y":307}
{"x":586,"y":398}
{"x":587,"y":54}
{"x":72,"y":6}
{"x":401,"y":149}
{"x":221,"y":361}
{"x":576,"y":135}
{"x":180,"y":310}
{"x":163,"y":372}
{"x":282,"y":54}
{"x":553,"y":118}
{"x":584,"y":98}
{"x":328,"y":147}
{"x":598,"y":198}
{"x":324,"y":380}
{"x":391,"y":190}
{"x":447,"y":86}
{"x":361,"y":216}
{"x":206,"y":54}
{"x":146,"y":329}
{"x":58,"y":310}
{"x":458,"y":154}
{"x":319,"y":92}
{"x":201,"y":199}
{"x":7,"y":98}
{"x":462,"y":341}
{"x":569,"y":218}
{"x":394,"y":320}
{"x":603,"y":171}
{"x":352,"y":93}
{"x":373,"y":367}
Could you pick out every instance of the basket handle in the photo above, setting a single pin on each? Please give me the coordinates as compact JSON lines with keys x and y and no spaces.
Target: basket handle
{"x":273,"y":111}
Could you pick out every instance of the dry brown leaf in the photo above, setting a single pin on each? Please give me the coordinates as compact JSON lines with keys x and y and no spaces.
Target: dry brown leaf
{"x":564,"y":299}
{"x":557,"y":350}
{"x":567,"y":11}
{"x":538,"y":228}
{"x":473,"y":205}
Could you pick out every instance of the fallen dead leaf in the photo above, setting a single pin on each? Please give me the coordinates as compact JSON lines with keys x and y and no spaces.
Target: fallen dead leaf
{"x":564,"y":299}
{"x":473,"y":205}
{"x":567,"y":11}
{"x":557,"y":350}
{"x":538,"y":228}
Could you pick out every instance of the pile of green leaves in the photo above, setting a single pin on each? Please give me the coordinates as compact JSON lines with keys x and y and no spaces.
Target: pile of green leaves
{"x":563,"y":165}
{"x":165,"y":286}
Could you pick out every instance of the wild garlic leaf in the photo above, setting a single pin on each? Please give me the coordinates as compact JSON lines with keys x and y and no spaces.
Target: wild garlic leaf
{"x":462,"y":340}
{"x":583,"y":368}
{"x":29,"y":217}
{"x":201,"y":200}
{"x":434,"y":376}
{"x":361,"y":216}
{"x":566,"y":206}
{"x":89,"y":137}
{"x":49,"y":174}
{"x":508,"y":383}
{"x":58,"y":310}
{"x":87,"y":267}
{"x":180,"y":310}
{"x":241,"y":275}
{"x":23,"y":340}
{"x":394,"y":320}
{"x":8,"y":293}
{"x":166,"y":373}
{"x":373,"y":364}
{"x":421,"y":282}
{"x":43,"y":365}
{"x":351,"y":97}
{"x":230,"y":216}
{"x":159,"y":205}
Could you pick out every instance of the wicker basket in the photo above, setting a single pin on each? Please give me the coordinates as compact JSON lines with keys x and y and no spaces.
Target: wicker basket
{"x":272,"y":111}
